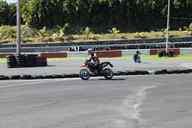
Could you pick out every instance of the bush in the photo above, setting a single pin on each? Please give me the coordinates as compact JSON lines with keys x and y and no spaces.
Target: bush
{"x":190,"y":29}
{"x":114,"y":31}
{"x":140,"y":35}
{"x":87,"y":32}
{"x":28,"y":31}
{"x":190,"y":26}
{"x":43,"y":32}
{"x":7,"y":32}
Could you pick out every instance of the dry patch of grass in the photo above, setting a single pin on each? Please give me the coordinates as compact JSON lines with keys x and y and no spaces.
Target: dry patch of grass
{"x":32,"y":35}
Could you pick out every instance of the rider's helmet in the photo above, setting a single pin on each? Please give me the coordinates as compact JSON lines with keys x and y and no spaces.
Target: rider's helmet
{"x":138,"y":52}
{"x":90,"y":51}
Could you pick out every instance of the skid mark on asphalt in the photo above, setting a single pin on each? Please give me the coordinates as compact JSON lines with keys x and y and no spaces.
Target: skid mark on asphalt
{"x":130,"y":109}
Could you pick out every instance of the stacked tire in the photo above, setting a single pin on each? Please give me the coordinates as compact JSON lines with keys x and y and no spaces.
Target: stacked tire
{"x":169,"y":54}
{"x":162,"y":54}
{"x":41,"y":61}
{"x":11,"y":61}
{"x":30,"y":60}
{"x":21,"y":61}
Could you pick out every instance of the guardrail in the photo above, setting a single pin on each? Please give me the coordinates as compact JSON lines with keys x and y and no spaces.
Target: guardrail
{"x":98,"y":47}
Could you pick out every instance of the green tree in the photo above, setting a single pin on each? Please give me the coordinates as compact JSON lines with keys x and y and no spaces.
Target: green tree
{"x":101,"y":15}
{"x":12,"y":14}
{"x":4,"y":12}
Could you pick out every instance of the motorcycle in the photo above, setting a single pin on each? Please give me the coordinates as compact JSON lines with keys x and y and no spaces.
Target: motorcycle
{"x":103,"y":69}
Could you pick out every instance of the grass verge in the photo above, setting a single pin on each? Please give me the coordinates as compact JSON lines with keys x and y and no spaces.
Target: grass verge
{"x":2,"y":61}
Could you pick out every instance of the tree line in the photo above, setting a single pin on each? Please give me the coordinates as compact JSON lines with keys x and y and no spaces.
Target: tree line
{"x":99,"y":15}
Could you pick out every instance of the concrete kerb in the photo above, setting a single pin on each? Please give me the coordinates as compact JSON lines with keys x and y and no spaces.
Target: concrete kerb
{"x":75,"y":75}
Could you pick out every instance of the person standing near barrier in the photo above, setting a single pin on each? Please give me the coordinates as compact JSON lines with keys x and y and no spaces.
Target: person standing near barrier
{"x":137,"y":57}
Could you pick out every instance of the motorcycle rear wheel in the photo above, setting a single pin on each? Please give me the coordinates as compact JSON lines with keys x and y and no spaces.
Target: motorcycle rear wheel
{"x":108,"y":74}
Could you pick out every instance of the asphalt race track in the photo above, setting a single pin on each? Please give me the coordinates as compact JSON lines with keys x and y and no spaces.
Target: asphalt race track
{"x":162,"y":101}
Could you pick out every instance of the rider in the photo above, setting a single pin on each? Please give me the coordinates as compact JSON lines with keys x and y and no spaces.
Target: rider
{"x":93,"y":61}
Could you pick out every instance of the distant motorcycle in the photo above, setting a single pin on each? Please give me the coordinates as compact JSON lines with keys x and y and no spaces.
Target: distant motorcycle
{"x":103,"y":69}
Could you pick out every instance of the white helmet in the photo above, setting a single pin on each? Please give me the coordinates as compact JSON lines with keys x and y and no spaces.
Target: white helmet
{"x":90,"y":50}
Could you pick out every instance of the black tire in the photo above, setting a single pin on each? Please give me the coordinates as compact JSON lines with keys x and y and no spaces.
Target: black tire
{"x":11,"y":61}
{"x":171,"y":54}
{"x":84,"y":74}
{"x":21,"y":60}
{"x":41,"y":61}
{"x":31,"y":60}
{"x":108,"y":73}
{"x":162,"y":54}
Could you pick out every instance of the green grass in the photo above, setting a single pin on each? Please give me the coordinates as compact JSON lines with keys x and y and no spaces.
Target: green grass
{"x":178,"y":58}
{"x":2,"y":61}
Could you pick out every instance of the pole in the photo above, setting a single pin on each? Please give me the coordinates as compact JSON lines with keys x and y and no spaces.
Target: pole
{"x":18,"y":40}
{"x":168,"y":26}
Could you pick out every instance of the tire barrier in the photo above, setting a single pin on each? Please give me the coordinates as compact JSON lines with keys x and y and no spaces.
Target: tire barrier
{"x":109,"y":54}
{"x":29,"y":60}
{"x":11,"y":61}
{"x":41,"y":61}
{"x":175,"y":51}
{"x":54,"y":55}
{"x":169,"y":54}
{"x":21,"y":60}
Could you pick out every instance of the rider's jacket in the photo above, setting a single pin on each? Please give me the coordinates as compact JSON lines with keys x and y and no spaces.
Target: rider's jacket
{"x":93,"y":59}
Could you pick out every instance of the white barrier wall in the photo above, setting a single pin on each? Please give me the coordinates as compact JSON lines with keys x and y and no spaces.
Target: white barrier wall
{"x":133,"y":51}
{"x":77,"y":54}
{"x":185,"y":51}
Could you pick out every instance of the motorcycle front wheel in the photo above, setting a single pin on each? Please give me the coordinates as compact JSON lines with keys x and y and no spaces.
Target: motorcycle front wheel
{"x":84,"y":74}
{"x":108,"y":73}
